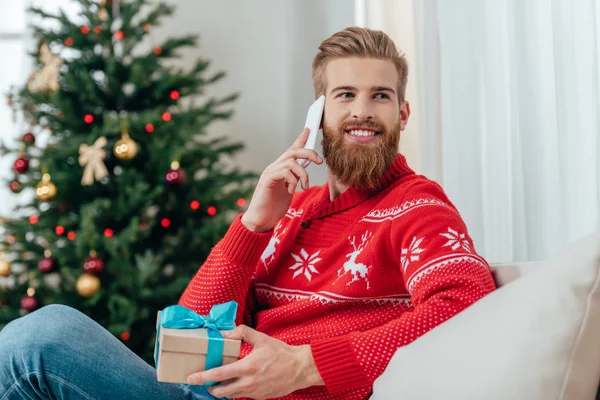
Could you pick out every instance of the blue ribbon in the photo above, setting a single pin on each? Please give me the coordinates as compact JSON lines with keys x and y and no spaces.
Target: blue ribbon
{"x":221,"y":317}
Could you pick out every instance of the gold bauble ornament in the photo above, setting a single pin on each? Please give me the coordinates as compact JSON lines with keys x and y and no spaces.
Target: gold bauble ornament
{"x":125,"y":148}
{"x":45,"y":190}
{"x":4,"y":268}
{"x":87,"y":285}
{"x":103,"y":14}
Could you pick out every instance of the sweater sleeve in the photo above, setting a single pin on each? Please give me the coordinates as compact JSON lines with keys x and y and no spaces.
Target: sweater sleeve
{"x":226,"y":274}
{"x":443,"y":274}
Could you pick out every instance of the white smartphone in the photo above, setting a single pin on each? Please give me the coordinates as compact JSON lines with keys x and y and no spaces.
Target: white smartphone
{"x":313,"y":122}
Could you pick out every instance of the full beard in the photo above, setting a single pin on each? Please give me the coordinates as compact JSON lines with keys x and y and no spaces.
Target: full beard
{"x":360,"y":165}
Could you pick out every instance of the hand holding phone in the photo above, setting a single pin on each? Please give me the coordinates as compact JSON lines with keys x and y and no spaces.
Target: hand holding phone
{"x":313,"y":122}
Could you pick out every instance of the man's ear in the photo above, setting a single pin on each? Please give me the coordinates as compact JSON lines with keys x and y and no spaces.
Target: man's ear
{"x":404,"y":114}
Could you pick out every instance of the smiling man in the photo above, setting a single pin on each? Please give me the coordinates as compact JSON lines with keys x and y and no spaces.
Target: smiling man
{"x":330,"y":280}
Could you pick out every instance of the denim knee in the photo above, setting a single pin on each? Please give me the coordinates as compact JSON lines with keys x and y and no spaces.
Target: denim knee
{"x":39,"y":328}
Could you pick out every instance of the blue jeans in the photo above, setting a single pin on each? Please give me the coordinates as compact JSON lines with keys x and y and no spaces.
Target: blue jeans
{"x":58,"y":352}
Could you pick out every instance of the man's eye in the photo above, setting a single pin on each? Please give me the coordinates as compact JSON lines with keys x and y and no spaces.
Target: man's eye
{"x":382,"y":96}
{"x":347,"y":95}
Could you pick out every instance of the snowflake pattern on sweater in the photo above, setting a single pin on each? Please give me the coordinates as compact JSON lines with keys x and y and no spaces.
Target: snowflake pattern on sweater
{"x":356,"y":277}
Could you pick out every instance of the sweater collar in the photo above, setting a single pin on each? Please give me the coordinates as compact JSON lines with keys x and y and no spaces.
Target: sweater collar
{"x":322,"y":206}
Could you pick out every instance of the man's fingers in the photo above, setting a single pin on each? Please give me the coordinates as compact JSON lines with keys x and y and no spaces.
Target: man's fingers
{"x":233,"y":389}
{"x":301,"y":139}
{"x":300,"y":173}
{"x":243,"y":332}
{"x":294,"y":153}
{"x":219,"y":374}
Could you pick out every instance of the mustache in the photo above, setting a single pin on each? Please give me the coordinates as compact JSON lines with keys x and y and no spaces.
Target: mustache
{"x":364,"y":124}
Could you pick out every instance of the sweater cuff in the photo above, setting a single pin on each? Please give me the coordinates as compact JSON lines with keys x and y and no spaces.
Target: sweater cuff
{"x":243,"y":246}
{"x":338,"y":365}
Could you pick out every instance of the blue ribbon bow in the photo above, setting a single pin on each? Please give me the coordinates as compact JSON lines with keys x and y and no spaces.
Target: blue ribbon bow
{"x":221,"y":317}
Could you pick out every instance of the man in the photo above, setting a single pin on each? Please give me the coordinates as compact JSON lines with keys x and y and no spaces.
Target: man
{"x":330,"y":281}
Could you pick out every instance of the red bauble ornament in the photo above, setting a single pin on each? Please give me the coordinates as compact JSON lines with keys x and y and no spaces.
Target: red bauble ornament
{"x":93,"y":265}
{"x":119,"y":35}
{"x":167,"y":116}
{"x":47,"y":265}
{"x":85,"y":29}
{"x":28,"y":138}
{"x":108,"y":232}
{"x":176,"y":175}
{"x":97,"y":29}
{"x":174,"y":95}
{"x":194,"y":205}
{"x":88,"y":118}
{"x":149,"y":128}
{"x":68,"y":42}
{"x":29,"y":303}
{"x":165,"y":222}
{"x":21,"y":165}
{"x":212,"y":211}
{"x":33,"y":219}
{"x":125,"y":336}
{"x":157,"y":50}
{"x":14,"y":186}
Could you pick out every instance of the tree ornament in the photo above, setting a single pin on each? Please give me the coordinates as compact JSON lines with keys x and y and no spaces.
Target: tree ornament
{"x":46,"y":79}
{"x":92,"y":158}
{"x":176,"y":175}
{"x":29,"y":303}
{"x":28,"y":138}
{"x":125,"y":148}
{"x":85,"y":29}
{"x":87,"y":285}
{"x":15,"y":186}
{"x":48,"y":263}
{"x":157,"y":51}
{"x":5,"y":266}
{"x":93,"y":264}
{"x":102,"y":11}
{"x":21,"y":165}
{"x":45,"y":190}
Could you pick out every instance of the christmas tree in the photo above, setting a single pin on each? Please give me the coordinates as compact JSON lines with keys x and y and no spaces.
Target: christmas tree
{"x":128,"y":192}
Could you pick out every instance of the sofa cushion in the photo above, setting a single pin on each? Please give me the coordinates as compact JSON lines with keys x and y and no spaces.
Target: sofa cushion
{"x":537,"y":337}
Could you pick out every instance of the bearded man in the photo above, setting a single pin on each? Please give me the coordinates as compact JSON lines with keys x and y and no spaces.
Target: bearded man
{"x":330,"y":280}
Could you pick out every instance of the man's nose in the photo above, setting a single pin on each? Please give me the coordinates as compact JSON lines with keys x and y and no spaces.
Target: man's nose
{"x":361,"y":109}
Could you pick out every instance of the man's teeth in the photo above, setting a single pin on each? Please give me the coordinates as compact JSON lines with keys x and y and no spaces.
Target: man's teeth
{"x":362,"y":133}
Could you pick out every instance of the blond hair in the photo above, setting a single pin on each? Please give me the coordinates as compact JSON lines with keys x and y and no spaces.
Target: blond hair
{"x":358,"y":42}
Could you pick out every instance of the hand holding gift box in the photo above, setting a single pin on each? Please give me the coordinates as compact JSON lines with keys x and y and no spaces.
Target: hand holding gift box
{"x":187,"y":342}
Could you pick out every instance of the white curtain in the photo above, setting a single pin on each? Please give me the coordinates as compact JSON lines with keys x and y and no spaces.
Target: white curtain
{"x":509,"y":117}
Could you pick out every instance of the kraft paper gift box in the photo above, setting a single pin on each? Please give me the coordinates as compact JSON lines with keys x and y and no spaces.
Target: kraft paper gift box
{"x":187,"y":342}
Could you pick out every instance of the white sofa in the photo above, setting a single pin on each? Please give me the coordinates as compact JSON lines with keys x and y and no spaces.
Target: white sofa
{"x":535,"y":338}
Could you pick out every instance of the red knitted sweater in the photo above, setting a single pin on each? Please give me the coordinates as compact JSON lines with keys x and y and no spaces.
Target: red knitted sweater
{"x":356,"y":277}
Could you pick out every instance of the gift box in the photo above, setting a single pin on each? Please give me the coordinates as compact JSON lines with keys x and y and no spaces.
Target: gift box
{"x":187,"y":342}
